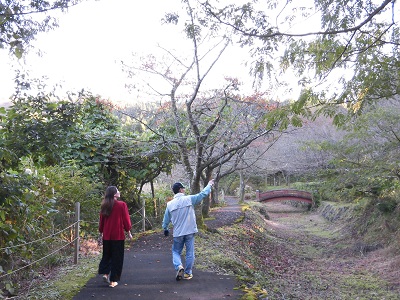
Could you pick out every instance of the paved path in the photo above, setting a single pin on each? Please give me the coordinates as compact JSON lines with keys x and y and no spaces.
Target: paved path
{"x":148,"y":274}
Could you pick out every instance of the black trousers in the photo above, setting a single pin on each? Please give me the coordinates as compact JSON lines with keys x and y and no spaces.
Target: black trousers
{"x":112,"y":260}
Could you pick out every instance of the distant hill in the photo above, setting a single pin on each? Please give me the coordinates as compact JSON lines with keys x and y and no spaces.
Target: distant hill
{"x":5,"y":103}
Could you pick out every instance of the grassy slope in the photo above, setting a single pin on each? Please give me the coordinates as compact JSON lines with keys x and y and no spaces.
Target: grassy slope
{"x":298,"y":255}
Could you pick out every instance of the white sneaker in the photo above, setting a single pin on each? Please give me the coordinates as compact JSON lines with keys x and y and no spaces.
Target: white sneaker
{"x":179,"y":274}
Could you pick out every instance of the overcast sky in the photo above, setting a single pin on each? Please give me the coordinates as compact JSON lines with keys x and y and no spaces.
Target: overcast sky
{"x":93,"y":37}
{"x":86,"y":49}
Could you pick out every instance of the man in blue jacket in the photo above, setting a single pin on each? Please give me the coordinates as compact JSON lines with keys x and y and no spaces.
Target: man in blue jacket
{"x":180,"y":212}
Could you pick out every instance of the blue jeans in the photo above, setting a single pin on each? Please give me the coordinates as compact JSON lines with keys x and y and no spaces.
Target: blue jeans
{"x":177,"y":247}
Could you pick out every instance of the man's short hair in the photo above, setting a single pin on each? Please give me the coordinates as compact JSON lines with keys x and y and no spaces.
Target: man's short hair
{"x":176,"y":187}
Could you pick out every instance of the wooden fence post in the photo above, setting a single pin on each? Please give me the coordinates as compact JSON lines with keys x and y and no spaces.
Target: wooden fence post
{"x":144,"y":214}
{"x":77,"y":219}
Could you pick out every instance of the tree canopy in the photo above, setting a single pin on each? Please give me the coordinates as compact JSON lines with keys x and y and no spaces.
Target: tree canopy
{"x":350,"y":57}
{"x":21,"y":21}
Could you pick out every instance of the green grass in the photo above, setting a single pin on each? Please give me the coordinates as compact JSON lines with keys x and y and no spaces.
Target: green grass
{"x":68,"y":281}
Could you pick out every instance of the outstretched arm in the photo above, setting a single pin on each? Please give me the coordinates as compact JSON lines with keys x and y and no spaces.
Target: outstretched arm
{"x":204,"y":193}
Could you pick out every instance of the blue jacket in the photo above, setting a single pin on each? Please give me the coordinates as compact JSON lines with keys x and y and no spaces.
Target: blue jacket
{"x":180,"y":212}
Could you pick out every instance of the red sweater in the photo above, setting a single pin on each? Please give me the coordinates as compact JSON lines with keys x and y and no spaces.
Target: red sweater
{"x":113,"y":226}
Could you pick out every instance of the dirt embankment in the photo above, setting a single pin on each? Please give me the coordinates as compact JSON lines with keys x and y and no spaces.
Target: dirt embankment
{"x":335,"y":264}
{"x":290,"y":253}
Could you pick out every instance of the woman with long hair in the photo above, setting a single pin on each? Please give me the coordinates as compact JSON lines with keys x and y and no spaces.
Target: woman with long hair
{"x":114,"y":220}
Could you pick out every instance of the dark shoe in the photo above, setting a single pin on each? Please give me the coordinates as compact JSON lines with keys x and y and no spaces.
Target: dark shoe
{"x":106,"y":278}
{"x":179,"y":274}
{"x":188,"y":276}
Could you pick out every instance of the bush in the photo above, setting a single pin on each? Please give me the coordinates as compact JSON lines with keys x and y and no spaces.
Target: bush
{"x":387,"y":205}
{"x":71,"y":186}
{"x":37,"y":209}
{"x":155,"y":208}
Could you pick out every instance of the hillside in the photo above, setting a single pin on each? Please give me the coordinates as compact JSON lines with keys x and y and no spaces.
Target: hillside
{"x":284,"y":252}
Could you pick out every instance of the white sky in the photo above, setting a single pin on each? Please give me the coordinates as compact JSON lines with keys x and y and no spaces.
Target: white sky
{"x":92,"y":38}
{"x":86,"y":49}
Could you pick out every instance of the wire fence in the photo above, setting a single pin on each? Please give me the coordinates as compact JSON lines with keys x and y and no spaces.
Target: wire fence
{"x":38,"y":260}
{"x":138,"y":218}
{"x":38,"y":240}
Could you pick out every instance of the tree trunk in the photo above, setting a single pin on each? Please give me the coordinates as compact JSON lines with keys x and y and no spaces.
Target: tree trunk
{"x":205,"y":207}
{"x":152,"y":189}
{"x":194,"y":189}
{"x":215,"y":195}
{"x":241,"y":188}
{"x":208,"y":200}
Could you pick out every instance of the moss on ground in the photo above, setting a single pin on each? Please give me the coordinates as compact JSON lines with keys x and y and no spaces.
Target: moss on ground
{"x":291,"y":258}
{"x":66,"y":283}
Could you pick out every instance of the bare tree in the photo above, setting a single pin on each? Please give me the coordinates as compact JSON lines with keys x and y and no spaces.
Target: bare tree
{"x":300,"y":151}
{"x":207,"y":129}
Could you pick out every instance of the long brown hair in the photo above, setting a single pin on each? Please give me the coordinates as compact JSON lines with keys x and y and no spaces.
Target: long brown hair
{"x":108,"y":201}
